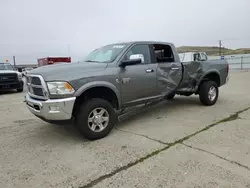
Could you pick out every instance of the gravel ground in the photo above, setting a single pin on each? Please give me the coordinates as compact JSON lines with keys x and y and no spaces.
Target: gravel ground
{"x":173,"y":144}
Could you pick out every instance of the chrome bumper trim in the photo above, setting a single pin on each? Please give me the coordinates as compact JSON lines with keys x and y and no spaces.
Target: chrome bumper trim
{"x":51,"y":109}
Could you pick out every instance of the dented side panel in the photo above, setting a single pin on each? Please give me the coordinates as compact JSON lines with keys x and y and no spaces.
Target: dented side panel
{"x":169,"y":76}
{"x":192,"y":73}
{"x":195,"y":71}
{"x":185,"y":77}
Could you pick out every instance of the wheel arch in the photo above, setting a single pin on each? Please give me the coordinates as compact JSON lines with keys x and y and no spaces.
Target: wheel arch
{"x":212,"y":75}
{"x":97,"y":89}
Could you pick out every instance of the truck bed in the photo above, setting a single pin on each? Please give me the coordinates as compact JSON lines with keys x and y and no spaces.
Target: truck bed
{"x":193,"y":72}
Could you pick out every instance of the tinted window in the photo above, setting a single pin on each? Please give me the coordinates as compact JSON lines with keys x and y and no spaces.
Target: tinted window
{"x":197,"y":57}
{"x":163,"y":53}
{"x":140,"y":49}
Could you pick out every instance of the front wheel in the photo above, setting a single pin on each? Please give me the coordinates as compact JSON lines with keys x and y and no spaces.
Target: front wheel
{"x":208,"y":93}
{"x":96,"y":118}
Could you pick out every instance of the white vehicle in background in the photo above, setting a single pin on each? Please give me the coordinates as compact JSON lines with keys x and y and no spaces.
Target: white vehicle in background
{"x":26,"y":70}
{"x":193,"y":56}
{"x":10,"y":78}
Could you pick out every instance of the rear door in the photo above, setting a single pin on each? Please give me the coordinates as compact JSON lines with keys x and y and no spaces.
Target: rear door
{"x":169,"y":69}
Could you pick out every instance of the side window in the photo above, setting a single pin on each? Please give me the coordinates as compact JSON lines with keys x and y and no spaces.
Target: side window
{"x":197,"y":57}
{"x":163,"y":53}
{"x":139,"y":49}
{"x":203,"y":57}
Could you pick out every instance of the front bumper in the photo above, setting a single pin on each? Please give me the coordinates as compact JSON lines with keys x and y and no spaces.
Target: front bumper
{"x":51,"y":109}
{"x":13,"y":85}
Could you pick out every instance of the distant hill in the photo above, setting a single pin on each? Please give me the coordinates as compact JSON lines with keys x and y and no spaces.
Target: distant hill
{"x":213,"y":50}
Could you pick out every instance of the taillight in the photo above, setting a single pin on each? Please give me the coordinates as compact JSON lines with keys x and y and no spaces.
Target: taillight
{"x":227,"y":68}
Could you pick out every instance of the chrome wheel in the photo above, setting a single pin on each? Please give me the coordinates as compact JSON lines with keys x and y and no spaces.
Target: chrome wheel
{"x":98,"y":119}
{"x":212,"y":92}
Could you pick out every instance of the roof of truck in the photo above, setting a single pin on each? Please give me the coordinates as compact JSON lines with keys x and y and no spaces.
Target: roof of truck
{"x":144,"y":41}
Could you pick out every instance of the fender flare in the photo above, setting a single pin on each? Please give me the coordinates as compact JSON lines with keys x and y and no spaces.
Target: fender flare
{"x":94,"y":84}
{"x":207,"y":73}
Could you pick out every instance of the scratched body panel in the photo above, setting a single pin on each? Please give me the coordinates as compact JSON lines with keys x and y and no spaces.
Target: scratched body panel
{"x":191,"y":74}
{"x":169,"y":76}
{"x":194,"y":71}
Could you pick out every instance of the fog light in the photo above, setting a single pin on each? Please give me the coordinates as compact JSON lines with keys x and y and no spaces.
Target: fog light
{"x":54,"y":108}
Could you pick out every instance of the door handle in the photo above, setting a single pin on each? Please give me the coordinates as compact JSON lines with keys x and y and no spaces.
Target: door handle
{"x":149,"y":70}
{"x":175,"y":68}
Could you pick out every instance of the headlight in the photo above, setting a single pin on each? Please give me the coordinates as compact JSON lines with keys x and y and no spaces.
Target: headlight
{"x":61,"y":88}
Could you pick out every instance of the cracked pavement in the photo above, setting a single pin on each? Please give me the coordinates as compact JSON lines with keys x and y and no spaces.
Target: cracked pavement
{"x":179,"y":143}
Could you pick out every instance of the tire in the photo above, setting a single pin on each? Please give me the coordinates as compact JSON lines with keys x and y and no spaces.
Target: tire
{"x":86,"y":112}
{"x":206,"y":98}
{"x":170,"y":96}
{"x":20,"y":90}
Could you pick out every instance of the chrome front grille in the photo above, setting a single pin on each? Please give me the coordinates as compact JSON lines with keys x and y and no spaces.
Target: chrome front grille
{"x":36,"y":87}
{"x":8,"y":77}
{"x":36,"y":81}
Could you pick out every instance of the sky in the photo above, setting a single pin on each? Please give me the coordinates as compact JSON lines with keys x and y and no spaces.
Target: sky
{"x":39,"y":28}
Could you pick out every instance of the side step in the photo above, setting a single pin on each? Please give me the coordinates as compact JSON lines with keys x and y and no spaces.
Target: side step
{"x":125,"y":114}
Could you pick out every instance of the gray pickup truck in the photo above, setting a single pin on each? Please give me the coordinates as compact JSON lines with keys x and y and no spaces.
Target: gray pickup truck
{"x":115,"y":77}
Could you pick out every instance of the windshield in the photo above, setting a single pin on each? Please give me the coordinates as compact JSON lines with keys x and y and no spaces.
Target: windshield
{"x":6,"y":66}
{"x":105,"y":54}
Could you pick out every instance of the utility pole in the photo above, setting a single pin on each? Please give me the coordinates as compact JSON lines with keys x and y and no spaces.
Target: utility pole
{"x":14,"y":60}
{"x":220,"y":47}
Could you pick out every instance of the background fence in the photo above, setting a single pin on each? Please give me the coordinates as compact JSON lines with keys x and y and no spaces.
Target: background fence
{"x":237,"y":62}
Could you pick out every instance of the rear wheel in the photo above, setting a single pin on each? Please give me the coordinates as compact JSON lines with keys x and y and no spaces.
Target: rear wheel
{"x":208,"y":93}
{"x":96,"y":118}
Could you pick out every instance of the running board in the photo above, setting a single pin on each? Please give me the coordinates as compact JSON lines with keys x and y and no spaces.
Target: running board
{"x":137,"y":110}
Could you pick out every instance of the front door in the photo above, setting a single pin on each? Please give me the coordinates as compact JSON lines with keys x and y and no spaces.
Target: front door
{"x":138,"y":82}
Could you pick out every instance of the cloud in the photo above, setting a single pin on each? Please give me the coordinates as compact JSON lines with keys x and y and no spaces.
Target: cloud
{"x":32,"y":28}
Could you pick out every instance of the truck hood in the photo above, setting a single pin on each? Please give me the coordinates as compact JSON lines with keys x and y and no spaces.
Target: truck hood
{"x":7,"y":71}
{"x":68,"y":71}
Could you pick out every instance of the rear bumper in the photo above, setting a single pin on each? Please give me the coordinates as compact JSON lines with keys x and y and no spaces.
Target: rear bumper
{"x":51,"y":109}
{"x":8,"y":86}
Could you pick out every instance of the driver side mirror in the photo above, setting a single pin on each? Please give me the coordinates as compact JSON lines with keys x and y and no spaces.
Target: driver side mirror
{"x":133,"y":60}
